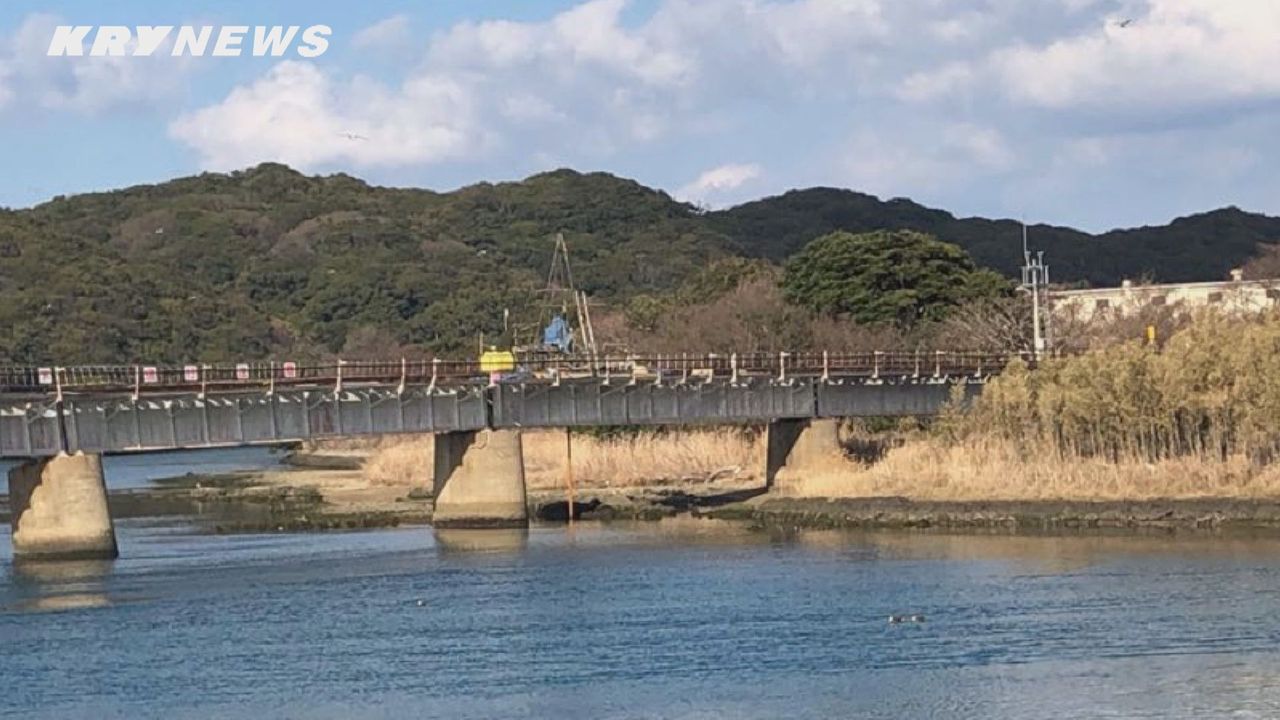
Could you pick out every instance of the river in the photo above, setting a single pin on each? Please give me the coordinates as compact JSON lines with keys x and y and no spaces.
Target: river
{"x":679,"y":619}
{"x":131,"y":472}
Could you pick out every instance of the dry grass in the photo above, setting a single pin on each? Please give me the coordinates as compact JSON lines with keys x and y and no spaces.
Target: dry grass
{"x":401,"y":462}
{"x":988,"y":470}
{"x":1198,"y":417}
{"x":360,"y":444}
{"x":597,"y":462}
{"x":923,"y":468}
{"x":1213,"y":390}
{"x":645,"y":459}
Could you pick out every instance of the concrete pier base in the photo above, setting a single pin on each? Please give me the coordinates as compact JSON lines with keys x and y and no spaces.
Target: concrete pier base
{"x":508,"y":541}
{"x":479,"y":480}
{"x":59,"y":510}
{"x":798,"y":449}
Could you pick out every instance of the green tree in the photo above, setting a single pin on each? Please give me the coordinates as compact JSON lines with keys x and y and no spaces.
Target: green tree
{"x":901,"y":277}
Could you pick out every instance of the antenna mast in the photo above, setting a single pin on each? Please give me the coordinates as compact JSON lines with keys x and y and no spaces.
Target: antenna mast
{"x":1035,"y":279}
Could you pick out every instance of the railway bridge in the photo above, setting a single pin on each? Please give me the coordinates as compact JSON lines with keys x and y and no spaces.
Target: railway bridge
{"x":60,"y":420}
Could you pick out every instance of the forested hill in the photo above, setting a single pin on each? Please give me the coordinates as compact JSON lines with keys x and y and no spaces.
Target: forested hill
{"x":268,"y":261}
{"x":1200,"y":247}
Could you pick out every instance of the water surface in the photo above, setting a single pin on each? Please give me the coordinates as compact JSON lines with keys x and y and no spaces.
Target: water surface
{"x":673,"y":620}
{"x":132,"y":472}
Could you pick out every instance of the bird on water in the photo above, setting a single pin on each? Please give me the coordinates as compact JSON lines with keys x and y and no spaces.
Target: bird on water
{"x":899,"y":619}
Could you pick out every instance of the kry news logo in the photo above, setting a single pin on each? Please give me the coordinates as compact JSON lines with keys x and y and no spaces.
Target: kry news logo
{"x":190,"y":40}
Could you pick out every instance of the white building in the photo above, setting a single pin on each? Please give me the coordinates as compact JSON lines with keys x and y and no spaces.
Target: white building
{"x":1236,"y":295}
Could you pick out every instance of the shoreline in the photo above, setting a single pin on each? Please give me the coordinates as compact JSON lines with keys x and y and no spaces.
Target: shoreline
{"x":1018,"y":516}
{"x":317,"y":492}
{"x":290,"y":501}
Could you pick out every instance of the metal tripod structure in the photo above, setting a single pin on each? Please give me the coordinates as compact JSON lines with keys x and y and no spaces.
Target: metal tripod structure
{"x":557,"y":294}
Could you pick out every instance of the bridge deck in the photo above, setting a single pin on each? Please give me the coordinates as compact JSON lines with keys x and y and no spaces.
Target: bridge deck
{"x":107,"y":409}
{"x":205,"y":377}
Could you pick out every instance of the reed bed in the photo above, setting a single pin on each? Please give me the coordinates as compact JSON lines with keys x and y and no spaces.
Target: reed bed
{"x":1212,"y":392}
{"x":1197,"y":417}
{"x":643,"y":458}
{"x":620,"y":461}
{"x":993,"y":469}
{"x":403,"y":461}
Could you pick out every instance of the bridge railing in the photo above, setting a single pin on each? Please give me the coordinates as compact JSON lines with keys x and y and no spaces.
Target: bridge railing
{"x":140,"y":378}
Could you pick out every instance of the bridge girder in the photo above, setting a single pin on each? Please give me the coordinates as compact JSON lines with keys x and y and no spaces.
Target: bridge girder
{"x":40,"y":426}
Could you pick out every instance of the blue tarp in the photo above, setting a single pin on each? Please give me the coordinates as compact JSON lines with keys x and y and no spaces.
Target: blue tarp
{"x":558,"y":335}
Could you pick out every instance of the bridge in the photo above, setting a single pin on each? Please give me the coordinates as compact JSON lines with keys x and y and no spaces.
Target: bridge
{"x":60,"y":420}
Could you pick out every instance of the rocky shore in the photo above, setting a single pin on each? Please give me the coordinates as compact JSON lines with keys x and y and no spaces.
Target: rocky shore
{"x":1021,"y":516}
{"x":275,"y":501}
{"x":322,"y":493}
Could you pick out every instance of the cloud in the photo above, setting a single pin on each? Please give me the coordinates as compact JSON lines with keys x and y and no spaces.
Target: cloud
{"x":1178,"y":53}
{"x":1163,"y":55}
{"x":588,"y":38}
{"x":584,"y":83}
{"x":386,"y":35}
{"x":924,"y":157}
{"x":964,"y":103}
{"x":931,"y":85}
{"x":717,"y":182}
{"x":6,"y":94}
{"x":88,"y":85}
{"x":298,"y":115}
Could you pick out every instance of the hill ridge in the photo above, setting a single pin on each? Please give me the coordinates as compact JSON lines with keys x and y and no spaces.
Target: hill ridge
{"x":268,"y":260}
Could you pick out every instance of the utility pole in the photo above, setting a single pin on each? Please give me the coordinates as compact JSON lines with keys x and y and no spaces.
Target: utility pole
{"x":1035,"y":279}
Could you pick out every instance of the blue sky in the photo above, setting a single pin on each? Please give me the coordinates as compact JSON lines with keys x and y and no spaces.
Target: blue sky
{"x":1093,"y":113}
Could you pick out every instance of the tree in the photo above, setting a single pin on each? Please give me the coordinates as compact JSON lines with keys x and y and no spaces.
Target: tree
{"x":1265,"y":265}
{"x":999,"y":324}
{"x":901,"y":277}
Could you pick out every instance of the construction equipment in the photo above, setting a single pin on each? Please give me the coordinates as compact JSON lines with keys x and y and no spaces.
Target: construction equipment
{"x":564,"y":326}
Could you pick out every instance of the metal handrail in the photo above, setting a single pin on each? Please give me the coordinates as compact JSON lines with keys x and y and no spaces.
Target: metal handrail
{"x":401,"y":371}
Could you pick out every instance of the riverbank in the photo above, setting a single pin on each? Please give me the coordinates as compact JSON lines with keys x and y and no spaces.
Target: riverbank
{"x":1203,"y":515}
{"x":286,"y":500}
{"x":897,"y":480}
{"x":326,"y":500}
{"x":316,"y":500}
{"x":312,"y":500}
{"x":891,"y":482}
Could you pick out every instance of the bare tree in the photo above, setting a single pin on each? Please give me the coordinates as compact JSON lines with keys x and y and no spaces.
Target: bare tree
{"x":989,"y":325}
{"x":1265,"y":265}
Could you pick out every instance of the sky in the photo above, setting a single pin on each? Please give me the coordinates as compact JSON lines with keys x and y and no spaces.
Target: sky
{"x":1090,"y":113}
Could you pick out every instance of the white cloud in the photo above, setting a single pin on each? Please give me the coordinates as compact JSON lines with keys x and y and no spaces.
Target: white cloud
{"x":386,"y":35}
{"x":984,"y":147}
{"x":959,"y":27}
{"x":931,"y":85}
{"x":588,"y":38}
{"x":528,"y":107}
{"x":922,"y":157}
{"x":965,"y":103}
{"x":296,"y":114}
{"x":6,"y":94}
{"x":1165,"y":54}
{"x":717,"y":182}
{"x":89,"y":85}
{"x":584,"y":81}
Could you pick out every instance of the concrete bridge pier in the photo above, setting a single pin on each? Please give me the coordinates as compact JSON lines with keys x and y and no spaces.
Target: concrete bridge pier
{"x":479,"y":480}
{"x":797,"y":449}
{"x":58,"y":509}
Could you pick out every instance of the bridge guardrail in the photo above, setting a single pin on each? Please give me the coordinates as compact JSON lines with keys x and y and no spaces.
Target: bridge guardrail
{"x":225,"y":376}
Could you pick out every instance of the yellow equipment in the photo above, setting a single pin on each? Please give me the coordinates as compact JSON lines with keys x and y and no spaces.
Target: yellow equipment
{"x":494,"y":360}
